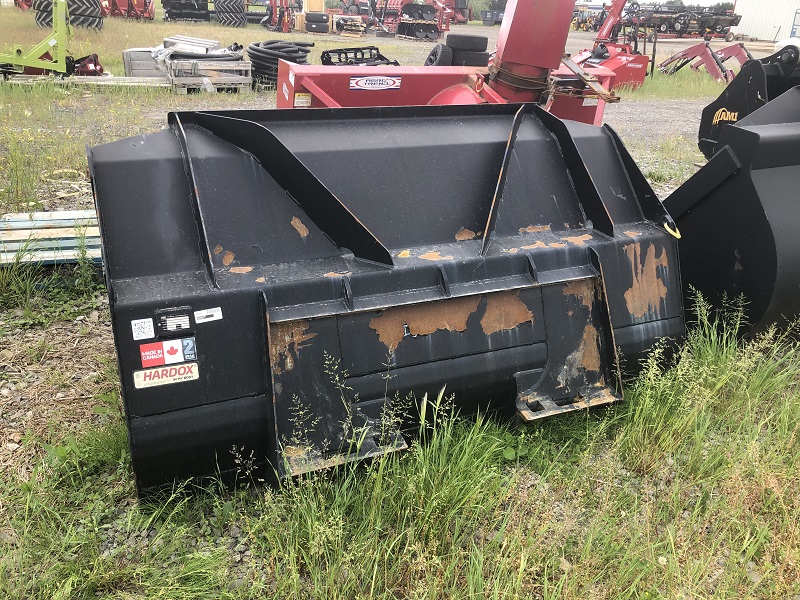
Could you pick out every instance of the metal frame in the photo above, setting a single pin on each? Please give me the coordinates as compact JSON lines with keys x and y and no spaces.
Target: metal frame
{"x":55,"y":44}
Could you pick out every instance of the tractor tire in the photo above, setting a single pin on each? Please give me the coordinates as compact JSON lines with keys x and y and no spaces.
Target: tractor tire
{"x":42,"y":5}
{"x":469,"y":43}
{"x":44,"y":19}
{"x":352,"y":10}
{"x":440,"y":56}
{"x":651,"y":37}
{"x":663,"y":28}
{"x":85,"y":8}
{"x":729,"y":36}
{"x":317,"y":17}
{"x":466,"y":58}
{"x":231,"y":19}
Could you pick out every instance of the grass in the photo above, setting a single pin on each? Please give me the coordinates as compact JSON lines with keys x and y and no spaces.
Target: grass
{"x":688,"y":489}
{"x":685,"y":84}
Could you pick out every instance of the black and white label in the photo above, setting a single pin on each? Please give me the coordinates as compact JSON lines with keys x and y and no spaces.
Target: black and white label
{"x":173,"y":322}
{"x":143,"y":329}
{"x":209,"y":314}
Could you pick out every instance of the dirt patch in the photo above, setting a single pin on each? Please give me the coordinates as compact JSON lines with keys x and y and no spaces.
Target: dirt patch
{"x":50,"y":380}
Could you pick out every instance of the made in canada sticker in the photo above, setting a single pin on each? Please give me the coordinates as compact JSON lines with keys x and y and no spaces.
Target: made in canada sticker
{"x":165,"y":375}
{"x":169,"y":352}
{"x":375,"y":82}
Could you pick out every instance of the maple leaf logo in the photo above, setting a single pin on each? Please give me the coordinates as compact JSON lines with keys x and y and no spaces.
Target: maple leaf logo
{"x":172,"y":351}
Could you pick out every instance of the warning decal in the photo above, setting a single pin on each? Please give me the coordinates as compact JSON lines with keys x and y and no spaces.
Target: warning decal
{"x":169,"y":352}
{"x":165,"y":375}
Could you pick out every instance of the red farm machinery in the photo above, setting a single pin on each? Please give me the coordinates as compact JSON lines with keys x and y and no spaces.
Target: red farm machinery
{"x":528,"y":66}
{"x":275,"y":305}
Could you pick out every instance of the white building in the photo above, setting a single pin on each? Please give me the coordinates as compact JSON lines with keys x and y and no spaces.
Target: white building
{"x":770,"y":20}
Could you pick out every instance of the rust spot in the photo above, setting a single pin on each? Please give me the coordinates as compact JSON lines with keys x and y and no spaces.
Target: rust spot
{"x":579,"y":240}
{"x":335,"y":274}
{"x":647,"y":289}
{"x":534,"y":229}
{"x":227,"y":258}
{"x":260,"y":279}
{"x":511,"y":250}
{"x":590,"y":349}
{"x":285,"y":341}
{"x":556,"y":245}
{"x":435,"y":256}
{"x":240,"y":269}
{"x":632,"y":234}
{"x":423,"y":319}
{"x":404,"y":254}
{"x":465,"y":234}
{"x":582,"y":289}
{"x":504,"y":311}
{"x":539,"y":244}
{"x":586,"y":357}
{"x":217,"y":249}
{"x":298,"y":225}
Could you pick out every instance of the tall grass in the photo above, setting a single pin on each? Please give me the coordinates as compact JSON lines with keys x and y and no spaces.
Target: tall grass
{"x":689,"y":488}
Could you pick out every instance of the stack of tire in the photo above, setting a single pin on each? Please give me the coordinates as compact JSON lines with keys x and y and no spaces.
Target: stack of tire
{"x":317,"y":22}
{"x":460,"y":50}
{"x":418,"y":21}
{"x":230,"y":13}
{"x":186,"y":10}
{"x":82,"y":13}
{"x":264,"y":57}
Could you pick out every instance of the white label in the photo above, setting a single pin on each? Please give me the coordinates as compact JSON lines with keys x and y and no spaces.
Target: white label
{"x":209,"y":314}
{"x":375,"y":82}
{"x":591,"y":101}
{"x":143,"y":329}
{"x":285,"y":91}
{"x":302,"y":100}
{"x":175,"y":323}
{"x":291,"y":77}
{"x":165,"y":375}
{"x":173,"y":352}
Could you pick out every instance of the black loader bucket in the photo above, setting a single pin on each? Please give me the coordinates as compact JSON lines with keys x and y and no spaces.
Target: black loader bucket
{"x":758,"y":82}
{"x":739,"y":216}
{"x":276,"y":277}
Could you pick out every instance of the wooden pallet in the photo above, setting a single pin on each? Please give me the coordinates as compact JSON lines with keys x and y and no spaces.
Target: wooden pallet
{"x":239,"y":85}
{"x":80,"y":80}
{"x":49,"y":237}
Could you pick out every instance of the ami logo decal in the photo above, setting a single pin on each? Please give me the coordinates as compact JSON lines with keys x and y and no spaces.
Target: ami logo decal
{"x":165,"y":375}
{"x":167,"y":353}
{"x":723,"y":114}
{"x":375,"y":82}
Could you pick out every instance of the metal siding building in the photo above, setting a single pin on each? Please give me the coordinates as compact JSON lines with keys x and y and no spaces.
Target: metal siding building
{"x":768,"y":19}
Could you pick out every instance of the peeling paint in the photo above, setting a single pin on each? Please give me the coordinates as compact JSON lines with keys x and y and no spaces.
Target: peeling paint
{"x":227,"y":258}
{"x":510,"y":250}
{"x":423,"y":319}
{"x":534,"y":229}
{"x":404,"y":254}
{"x":504,"y":311}
{"x":579,"y":240}
{"x":240,"y":269}
{"x":217,"y":249}
{"x":435,"y":256}
{"x":465,"y":234}
{"x":260,"y":279}
{"x":632,"y":234}
{"x":285,"y":342}
{"x":538,"y":244}
{"x":586,"y":357}
{"x":582,"y":289}
{"x":337,"y":274}
{"x":298,"y":225}
{"x":647,"y":290}
{"x":556,"y":245}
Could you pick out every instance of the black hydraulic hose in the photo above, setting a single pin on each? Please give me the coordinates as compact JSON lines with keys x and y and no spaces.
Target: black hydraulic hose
{"x":264,"y":57}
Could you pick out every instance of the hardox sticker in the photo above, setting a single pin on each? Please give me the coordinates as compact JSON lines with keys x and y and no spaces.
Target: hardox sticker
{"x":165,"y":375}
